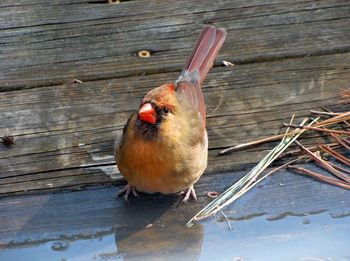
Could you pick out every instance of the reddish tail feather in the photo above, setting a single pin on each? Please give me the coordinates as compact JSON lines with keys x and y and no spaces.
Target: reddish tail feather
{"x":198,"y":65}
{"x":205,"y":51}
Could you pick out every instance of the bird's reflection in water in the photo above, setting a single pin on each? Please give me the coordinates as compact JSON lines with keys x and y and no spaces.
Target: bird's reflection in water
{"x":156,"y":231}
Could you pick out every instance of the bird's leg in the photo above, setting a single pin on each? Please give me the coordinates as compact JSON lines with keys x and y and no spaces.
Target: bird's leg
{"x":188,"y":193}
{"x":127,"y":190}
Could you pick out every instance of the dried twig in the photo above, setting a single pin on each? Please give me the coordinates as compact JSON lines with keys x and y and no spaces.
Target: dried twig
{"x":341,"y":141}
{"x":325,"y":113}
{"x":344,"y":116}
{"x":329,"y":111}
{"x":260,"y":141}
{"x":252,"y":143}
{"x":324,"y":164}
{"x":338,"y":167}
{"x":336,"y":155}
{"x":317,"y":129}
{"x":318,"y":176}
{"x":312,"y":148}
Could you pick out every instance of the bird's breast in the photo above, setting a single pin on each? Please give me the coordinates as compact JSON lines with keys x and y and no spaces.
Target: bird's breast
{"x":154,"y":167}
{"x":167,"y":163}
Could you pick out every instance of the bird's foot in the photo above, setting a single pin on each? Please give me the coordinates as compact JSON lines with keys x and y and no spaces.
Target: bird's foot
{"x":127,"y":190}
{"x":188,"y":193}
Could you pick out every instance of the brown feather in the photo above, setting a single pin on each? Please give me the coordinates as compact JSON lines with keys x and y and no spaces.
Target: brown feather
{"x":199,"y":63}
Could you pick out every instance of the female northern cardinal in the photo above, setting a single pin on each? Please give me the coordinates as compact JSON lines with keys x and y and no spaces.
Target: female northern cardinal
{"x":164,"y":146}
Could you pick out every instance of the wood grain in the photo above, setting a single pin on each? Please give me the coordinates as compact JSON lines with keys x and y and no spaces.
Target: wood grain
{"x":52,"y":44}
{"x":290,"y":58}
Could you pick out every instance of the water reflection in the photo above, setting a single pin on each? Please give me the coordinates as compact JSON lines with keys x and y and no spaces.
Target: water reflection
{"x":158,"y":235}
{"x":174,"y":242}
{"x":291,"y":238}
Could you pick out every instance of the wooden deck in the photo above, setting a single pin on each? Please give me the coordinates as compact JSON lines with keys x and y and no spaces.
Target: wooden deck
{"x":289,"y":56}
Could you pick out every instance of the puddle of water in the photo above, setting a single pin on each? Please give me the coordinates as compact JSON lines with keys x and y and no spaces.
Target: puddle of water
{"x":314,"y":237}
{"x":101,"y":248}
{"x":318,"y":237}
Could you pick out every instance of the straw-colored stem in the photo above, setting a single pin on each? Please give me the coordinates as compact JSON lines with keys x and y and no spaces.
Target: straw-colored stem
{"x":248,"y":187}
{"x":252,"y":143}
{"x":326,"y":113}
{"x":261,"y":141}
{"x":281,"y":167}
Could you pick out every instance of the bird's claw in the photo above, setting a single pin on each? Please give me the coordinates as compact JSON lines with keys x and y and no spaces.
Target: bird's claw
{"x":127,"y":190}
{"x":188,"y":193}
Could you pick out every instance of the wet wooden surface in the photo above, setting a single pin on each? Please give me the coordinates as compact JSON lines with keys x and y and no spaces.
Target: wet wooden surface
{"x":153,"y":228}
{"x":289,"y":56}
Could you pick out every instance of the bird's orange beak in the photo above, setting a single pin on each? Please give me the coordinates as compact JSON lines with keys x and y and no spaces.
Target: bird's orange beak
{"x":147,"y":113}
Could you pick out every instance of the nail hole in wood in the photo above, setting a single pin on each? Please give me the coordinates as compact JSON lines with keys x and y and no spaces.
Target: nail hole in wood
{"x":144,"y":54}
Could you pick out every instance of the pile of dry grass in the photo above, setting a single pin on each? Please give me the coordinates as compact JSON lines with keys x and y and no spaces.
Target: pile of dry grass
{"x":334,"y":125}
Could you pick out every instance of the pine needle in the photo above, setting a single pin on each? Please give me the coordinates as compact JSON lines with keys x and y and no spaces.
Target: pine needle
{"x":318,"y":129}
{"x":324,"y":164}
{"x":318,"y":176}
{"x":341,"y":117}
{"x":249,"y":180}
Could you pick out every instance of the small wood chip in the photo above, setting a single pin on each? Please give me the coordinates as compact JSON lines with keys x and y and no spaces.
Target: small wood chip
{"x":144,"y":54}
{"x":74,"y":81}
{"x":228,"y":64}
{"x":113,"y":1}
{"x":77,"y":81}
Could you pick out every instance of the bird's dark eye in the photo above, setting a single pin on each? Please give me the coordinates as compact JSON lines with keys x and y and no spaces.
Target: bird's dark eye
{"x":165,"y":110}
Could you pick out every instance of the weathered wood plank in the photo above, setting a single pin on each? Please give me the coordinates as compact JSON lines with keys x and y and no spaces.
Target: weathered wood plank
{"x":49,"y":45}
{"x":64,"y":134}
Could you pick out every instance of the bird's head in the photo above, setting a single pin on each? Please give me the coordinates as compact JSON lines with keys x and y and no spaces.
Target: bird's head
{"x":157,"y":107}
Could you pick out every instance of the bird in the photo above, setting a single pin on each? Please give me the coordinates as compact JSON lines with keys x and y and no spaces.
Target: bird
{"x":164,"y":144}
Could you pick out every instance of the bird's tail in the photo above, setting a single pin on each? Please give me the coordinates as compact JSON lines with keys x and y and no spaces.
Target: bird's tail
{"x":206,"y":49}
{"x":198,"y":65}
